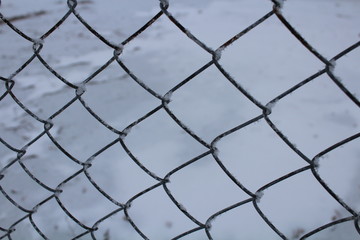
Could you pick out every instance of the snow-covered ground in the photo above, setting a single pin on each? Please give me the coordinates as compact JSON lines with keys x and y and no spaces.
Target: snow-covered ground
{"x":266,"y":62}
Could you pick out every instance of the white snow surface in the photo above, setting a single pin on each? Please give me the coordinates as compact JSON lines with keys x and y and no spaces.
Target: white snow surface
{"x":265,"y":62}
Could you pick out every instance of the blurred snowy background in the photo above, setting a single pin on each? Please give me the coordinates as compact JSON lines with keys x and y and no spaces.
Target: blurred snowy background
{"x":266,"y":62}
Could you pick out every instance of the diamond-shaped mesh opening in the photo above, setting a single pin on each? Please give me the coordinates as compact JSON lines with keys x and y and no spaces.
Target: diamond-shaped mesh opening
{"x":40,"y":91}
{"x":91,"y":130}
{"x":256,"y":61}
{"x":322,"y":124}
{"x":58,"y":224}
{"x":248,"y":224}
{"x":17,"y":127}
{"x":339,"y":171}
{"x":24,"y":230}
{"x":297,"y":199}
{"x":123,"y":21}
{"x":162,"y":133}
{"x":9,"y":213}
{"x":43,"y":158}
{"x":250,"y":155}
{"x":204,"y":111}
{"x":320,"y":25}
{"x":34,"y":18}
{"x":85,"y":210}
{"x":183,"y":57}
{"x":223,"y":192}
{"x":18,"y":184}
{"x":211,"y":25}
{"x":165,"y":220}
{"x":114,"y":107}
{"x":116,"y":226}
{"x":127,"y":185}
{"x":74,"y":52}
{"x":19,"y":51}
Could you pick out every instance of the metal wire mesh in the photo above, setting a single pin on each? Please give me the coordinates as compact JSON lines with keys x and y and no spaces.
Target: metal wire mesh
{"x":164,"y":102}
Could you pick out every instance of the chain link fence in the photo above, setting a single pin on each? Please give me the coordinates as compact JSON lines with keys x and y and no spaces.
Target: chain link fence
{"x":13,"y":224}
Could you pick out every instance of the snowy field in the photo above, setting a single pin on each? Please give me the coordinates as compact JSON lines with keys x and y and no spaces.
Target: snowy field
{"x":265,"y":62}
